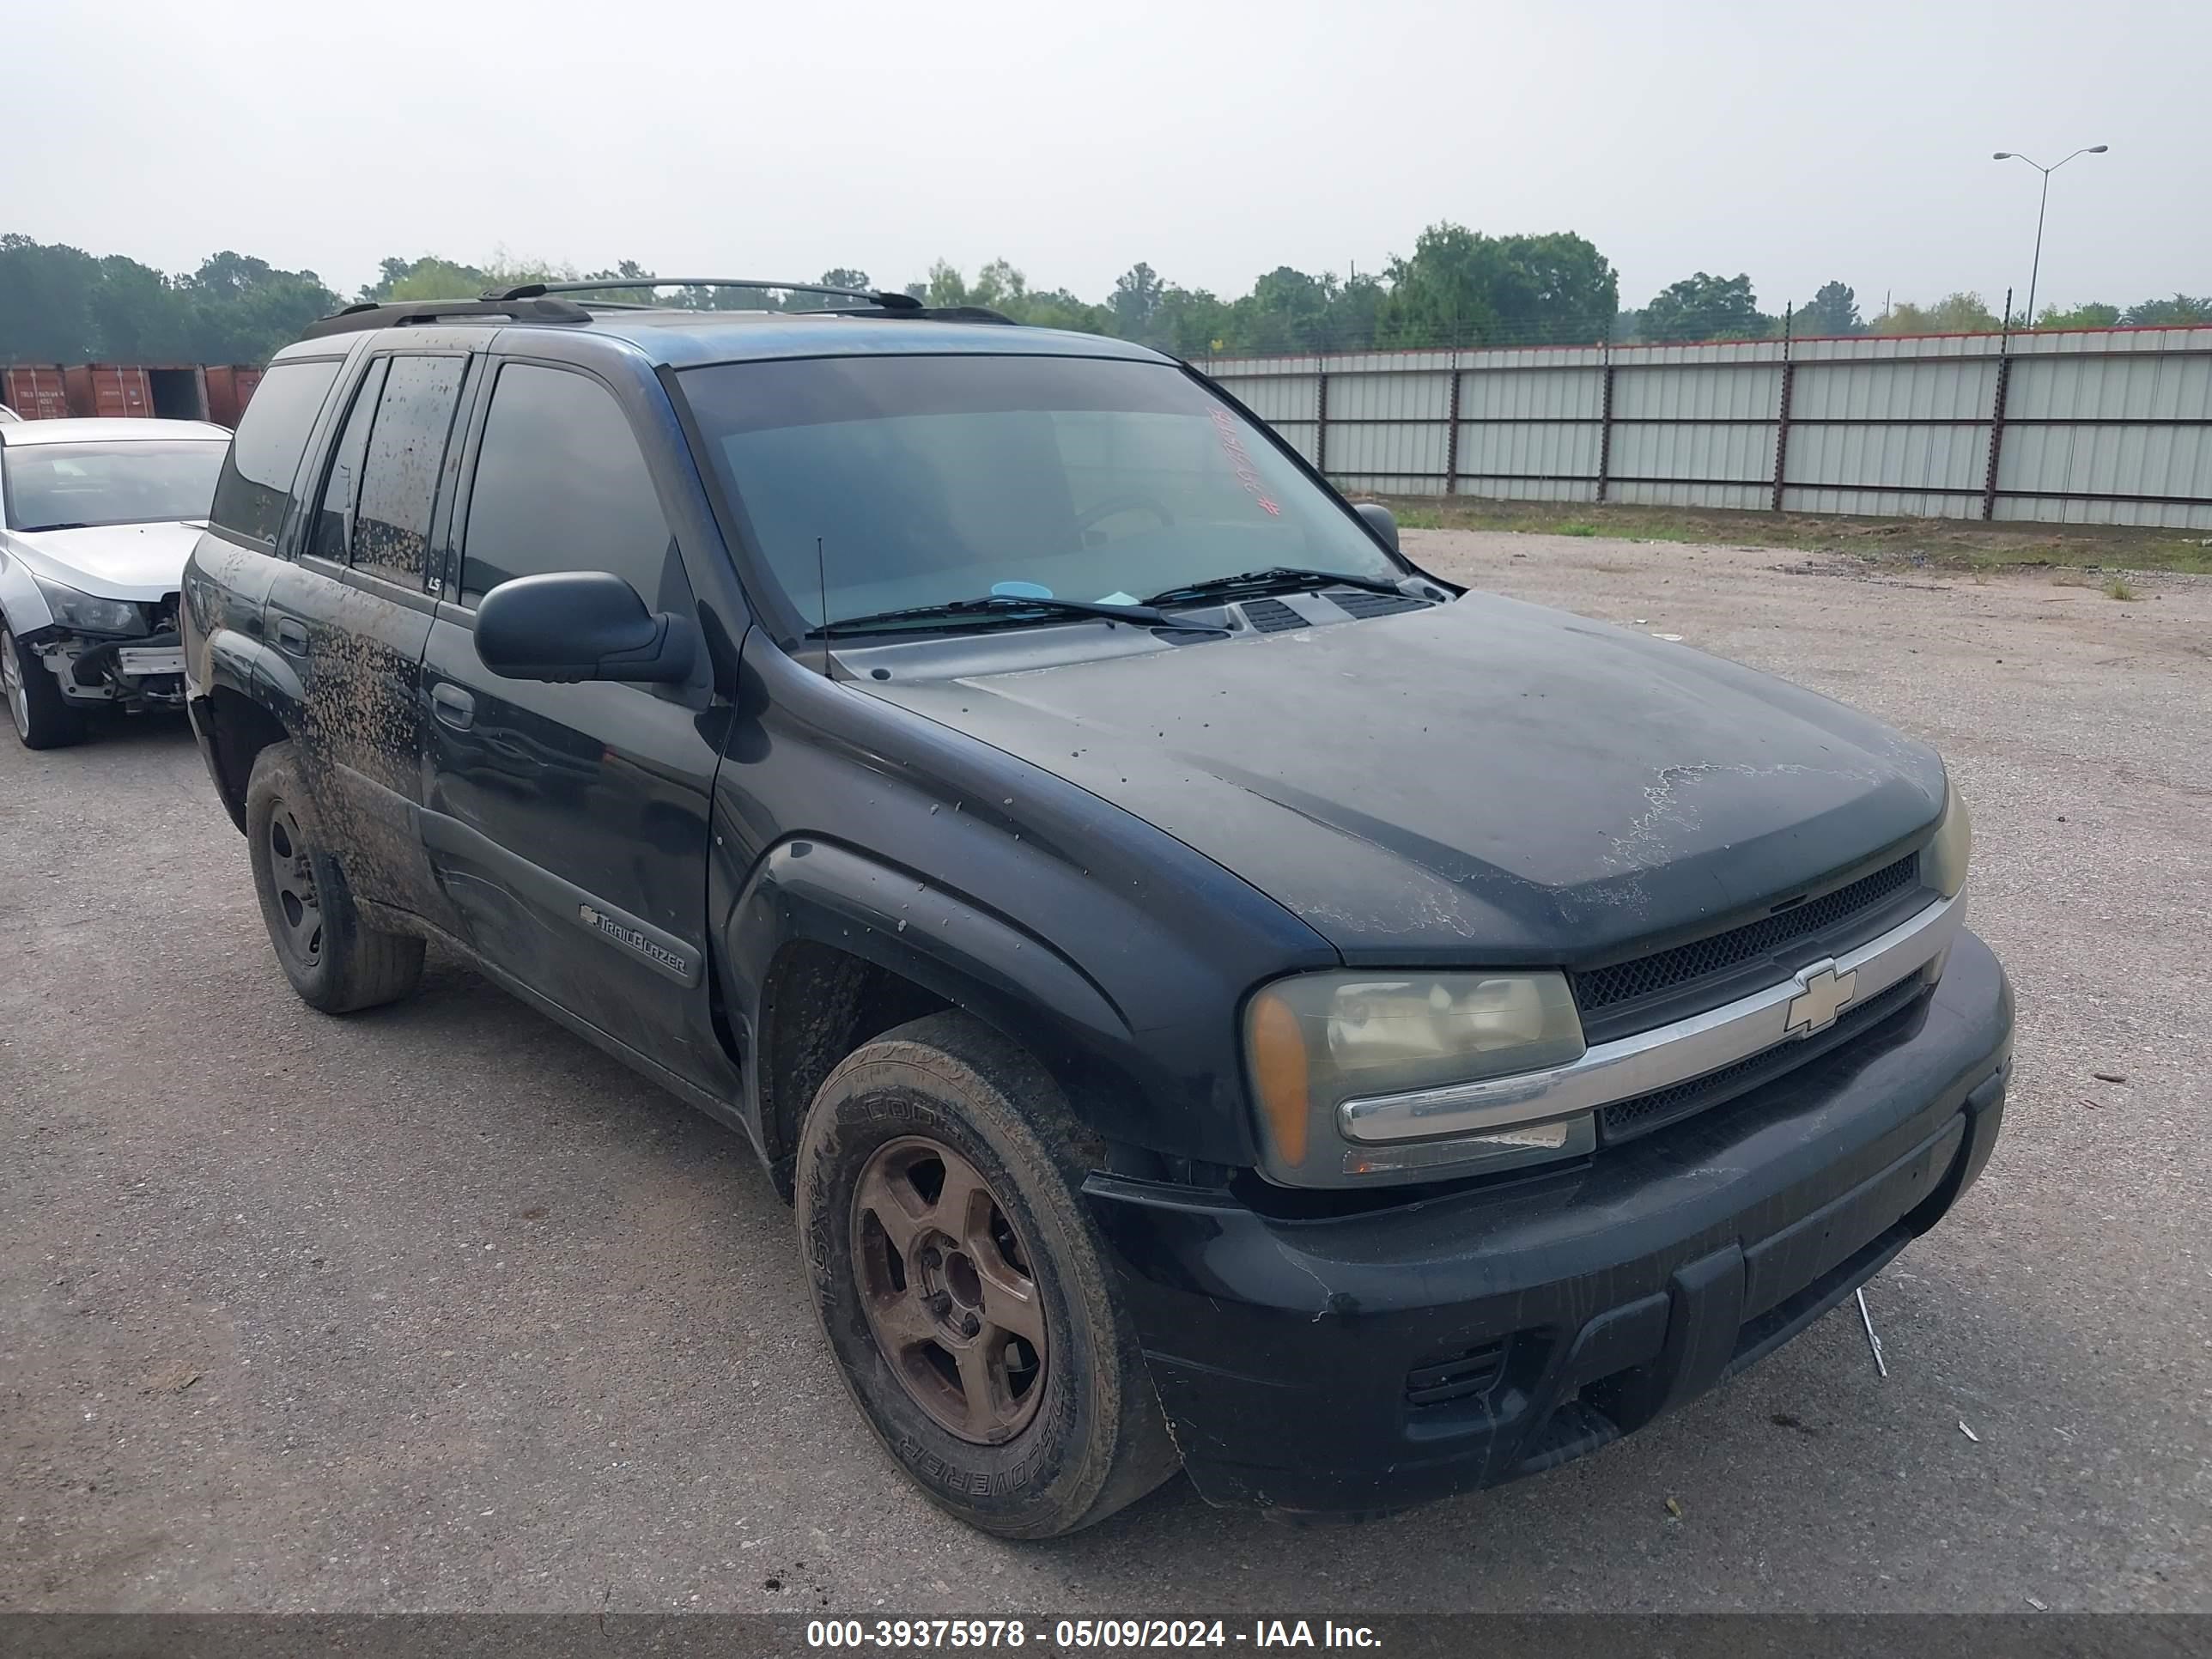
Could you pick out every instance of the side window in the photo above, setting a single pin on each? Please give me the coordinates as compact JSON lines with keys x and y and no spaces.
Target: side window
{"x":256,"y":483}
{"x":333,"y":533}
{"x":400,"y":466}
{"x":560,"y":484}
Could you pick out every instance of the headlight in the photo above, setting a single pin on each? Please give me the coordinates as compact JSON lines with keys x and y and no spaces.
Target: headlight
{"x":1320,"y":1041}
{"x":1943,"y":865}
{"x":90,"y":613}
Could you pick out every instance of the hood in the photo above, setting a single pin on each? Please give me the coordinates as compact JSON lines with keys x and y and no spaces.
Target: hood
{"x":1485,"y":780}
{"x":112,"y":561}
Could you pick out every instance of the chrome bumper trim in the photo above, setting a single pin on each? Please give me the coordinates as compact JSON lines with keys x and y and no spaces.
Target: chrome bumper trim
{"x":1668,"y":1055}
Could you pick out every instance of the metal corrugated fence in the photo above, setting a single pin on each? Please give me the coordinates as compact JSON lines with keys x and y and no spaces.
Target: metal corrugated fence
{"x":2107,"y":426}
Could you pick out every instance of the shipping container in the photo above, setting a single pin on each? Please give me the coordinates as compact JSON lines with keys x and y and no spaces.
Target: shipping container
{"x":121,"y":391}
{"x":230,"y":389}
{"x":34,"y":391}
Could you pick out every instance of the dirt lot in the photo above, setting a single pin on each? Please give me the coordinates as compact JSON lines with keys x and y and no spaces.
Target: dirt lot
{"x":436,"y":1308}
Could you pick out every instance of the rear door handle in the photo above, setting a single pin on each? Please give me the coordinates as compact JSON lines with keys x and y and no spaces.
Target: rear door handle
{"x":292,"y":634}
{"x":453,"y":706}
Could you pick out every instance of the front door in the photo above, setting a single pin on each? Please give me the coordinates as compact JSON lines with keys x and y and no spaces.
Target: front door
{"x":568,"y":823}
{"x":349,"y":615}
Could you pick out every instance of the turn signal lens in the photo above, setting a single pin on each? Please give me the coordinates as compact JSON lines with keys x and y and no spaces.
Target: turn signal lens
{"x":1279,"y":1074}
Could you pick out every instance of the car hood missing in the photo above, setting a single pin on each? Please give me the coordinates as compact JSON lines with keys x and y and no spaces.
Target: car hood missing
{"x":1483,"y":782}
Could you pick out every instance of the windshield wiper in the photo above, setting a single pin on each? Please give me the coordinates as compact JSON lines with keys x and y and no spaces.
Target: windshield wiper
{"x":1280,"y":578}
{"x":1011,"y":605}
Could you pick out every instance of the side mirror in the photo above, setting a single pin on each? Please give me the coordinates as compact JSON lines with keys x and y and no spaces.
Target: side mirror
{"x":580,"y":625}
{"x":1380,"y":521}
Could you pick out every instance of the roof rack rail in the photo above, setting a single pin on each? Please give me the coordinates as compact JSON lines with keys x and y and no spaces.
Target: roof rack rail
{"x":953,"y":314}
{"x":403,"y":313}
{"x":889,"y":300}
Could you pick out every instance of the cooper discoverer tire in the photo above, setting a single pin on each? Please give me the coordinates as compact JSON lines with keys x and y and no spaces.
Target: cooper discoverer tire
{"x":336,"y":961}
{"x":964,"y":1291}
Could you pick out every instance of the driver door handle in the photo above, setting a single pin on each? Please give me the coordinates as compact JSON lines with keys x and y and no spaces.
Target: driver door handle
{"x":452,"y":707}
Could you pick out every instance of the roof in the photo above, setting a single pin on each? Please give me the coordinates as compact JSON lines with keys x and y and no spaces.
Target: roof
{"x":689,"y":339}
{"x":87,"y":430}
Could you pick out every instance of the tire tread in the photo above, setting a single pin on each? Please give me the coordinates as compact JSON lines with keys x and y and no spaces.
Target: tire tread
{"x":363,"y":967}
{"x":1001,"y":1083}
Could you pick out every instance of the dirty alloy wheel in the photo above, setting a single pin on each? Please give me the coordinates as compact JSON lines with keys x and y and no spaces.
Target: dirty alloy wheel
{"x":336,"y":961}
{"x":946,"y":1285}
{"x":42,"y":717}
{"x":963,"y":1287}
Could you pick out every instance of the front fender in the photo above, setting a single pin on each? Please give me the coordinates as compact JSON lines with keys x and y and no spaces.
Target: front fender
{"x":22,"y":605}
{"x":811,"y":889}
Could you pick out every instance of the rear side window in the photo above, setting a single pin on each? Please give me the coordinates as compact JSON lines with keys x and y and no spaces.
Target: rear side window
{"x":333,"y":536}
{"x":256,"y":482}
{"x":400,"y":466}
{"x":560,"y":484}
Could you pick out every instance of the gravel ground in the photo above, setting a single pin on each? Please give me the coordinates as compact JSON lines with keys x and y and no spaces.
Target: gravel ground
{"x":436,"y":1308}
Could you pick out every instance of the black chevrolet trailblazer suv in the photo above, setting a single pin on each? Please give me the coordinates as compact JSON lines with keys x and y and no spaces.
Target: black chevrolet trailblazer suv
{"x":1218,"y":995}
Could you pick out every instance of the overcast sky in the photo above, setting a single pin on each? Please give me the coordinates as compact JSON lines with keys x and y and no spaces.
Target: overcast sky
{"x":1797,"y":142}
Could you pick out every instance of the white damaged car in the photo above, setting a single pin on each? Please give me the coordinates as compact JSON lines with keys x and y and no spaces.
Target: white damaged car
{"x":96,"y":518}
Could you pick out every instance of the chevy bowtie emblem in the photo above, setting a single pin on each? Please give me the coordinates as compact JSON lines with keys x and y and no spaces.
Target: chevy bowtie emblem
{"x":1821,"y":994}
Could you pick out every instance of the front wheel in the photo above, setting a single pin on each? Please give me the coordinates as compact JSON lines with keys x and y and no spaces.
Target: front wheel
{"x":41,"y":714}
{"x":962,"y":1288}
{"x":336,"y":961}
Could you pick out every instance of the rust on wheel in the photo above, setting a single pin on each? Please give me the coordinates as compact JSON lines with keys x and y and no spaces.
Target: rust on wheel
{"x":949,"y":1293}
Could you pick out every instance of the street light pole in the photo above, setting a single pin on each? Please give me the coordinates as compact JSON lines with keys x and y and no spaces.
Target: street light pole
{"x":2036,"y":269}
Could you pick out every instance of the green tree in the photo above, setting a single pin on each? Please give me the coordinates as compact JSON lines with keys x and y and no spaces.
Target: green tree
{"x":1135,"y":301}
{"x":1355,"y":314}
{"x":947,"y":286}
{"x":2181,"y":310}
{"x":1189,"y":323}
{"x":1001,"y":287}
{"x":427,"y":278}
{"x":142,"y":317}
{"x":1963,"y":313}
{"x":58,"y":304}
{"x":1461,"y":287}
{"x":1834,"y":311}
{"x":241,"y":309}
{"x":1705,"y":307}
{"x":2091,"y":315}
{"x":1284,"y":313}
{"x":47,"y":303}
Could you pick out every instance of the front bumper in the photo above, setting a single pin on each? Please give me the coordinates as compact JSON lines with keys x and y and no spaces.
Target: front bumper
{"x":1372,"y":1361}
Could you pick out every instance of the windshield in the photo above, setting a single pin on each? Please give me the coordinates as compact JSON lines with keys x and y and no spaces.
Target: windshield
{"x":926,"y":480}
{"x":135,"y":481}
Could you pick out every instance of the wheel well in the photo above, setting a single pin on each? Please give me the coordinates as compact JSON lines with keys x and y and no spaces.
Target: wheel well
{"x":818,"y":1004}
{"x":239,"y":729}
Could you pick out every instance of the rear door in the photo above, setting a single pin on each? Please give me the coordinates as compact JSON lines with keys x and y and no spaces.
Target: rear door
{"x":348,"y":617}
{"x":568,"y":823}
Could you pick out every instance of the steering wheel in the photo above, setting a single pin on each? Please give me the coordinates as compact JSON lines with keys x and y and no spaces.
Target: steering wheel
{"x":1114,"y":505}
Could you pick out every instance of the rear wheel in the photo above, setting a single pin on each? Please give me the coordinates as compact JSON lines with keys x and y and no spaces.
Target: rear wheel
{"x":42,"y":717}
{"x":962,"y":1288}
{"x":336,"y":961}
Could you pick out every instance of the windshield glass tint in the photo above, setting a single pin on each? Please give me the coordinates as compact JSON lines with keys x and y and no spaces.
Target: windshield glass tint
{"x":930,"y":479}
{"x":133,"y":482}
